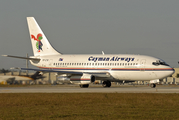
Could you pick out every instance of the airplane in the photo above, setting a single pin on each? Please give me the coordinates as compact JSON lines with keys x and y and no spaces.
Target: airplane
{"x":4,"y":71}
{"x":7,"y":79}
{"x":84,"y":69}
{"x":14,"y":78}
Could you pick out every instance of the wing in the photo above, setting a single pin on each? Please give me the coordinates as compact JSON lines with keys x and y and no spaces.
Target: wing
{"x":97,"y":74}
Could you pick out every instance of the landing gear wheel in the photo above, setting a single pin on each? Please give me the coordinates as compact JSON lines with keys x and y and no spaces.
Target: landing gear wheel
{"x":106,"y":84}
{"x":84,"y":86}
{"x":153,"y":85}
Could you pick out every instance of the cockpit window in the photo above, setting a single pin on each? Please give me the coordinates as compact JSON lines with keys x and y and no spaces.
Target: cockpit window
{"x":158,"y":62}
{"x":155,"y":63}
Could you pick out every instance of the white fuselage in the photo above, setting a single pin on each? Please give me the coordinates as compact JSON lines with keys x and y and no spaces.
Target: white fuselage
{"x":85,"y":69}
{"x":120,"y":66}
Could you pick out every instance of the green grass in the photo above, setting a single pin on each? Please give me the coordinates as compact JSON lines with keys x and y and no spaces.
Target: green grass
{"x":89,"y":106}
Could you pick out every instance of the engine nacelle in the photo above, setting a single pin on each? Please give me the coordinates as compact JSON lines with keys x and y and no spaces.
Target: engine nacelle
{"x":84,"y":79}
{"x":63,"y":78}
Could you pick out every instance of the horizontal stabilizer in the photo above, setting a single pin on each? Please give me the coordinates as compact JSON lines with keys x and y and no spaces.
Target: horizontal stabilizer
{"x":37,"y":59}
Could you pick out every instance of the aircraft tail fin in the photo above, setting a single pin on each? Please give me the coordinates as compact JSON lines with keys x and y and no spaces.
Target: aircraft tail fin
{"x":40,"y":43}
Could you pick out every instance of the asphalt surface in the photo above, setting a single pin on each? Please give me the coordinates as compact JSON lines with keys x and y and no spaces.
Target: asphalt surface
{"x":91,"y":89}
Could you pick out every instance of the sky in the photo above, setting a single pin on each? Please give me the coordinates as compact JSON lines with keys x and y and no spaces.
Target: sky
{"x":146,"y":27}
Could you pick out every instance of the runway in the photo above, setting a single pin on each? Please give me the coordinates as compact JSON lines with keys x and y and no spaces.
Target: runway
{"x":91,"y":89}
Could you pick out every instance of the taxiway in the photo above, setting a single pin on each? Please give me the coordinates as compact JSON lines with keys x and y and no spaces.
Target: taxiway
{"x":91,"y":89}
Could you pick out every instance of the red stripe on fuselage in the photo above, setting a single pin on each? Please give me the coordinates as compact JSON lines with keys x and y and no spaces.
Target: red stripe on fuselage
{"x":147,"y":69}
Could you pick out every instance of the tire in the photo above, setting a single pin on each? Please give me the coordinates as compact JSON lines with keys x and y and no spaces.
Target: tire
{"x":84,"y":86}
{"x":153,"y":85}
{"x":108,"y":84}
{"x":104,"y":84}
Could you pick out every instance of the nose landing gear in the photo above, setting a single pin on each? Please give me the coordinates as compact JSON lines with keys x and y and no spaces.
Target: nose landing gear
{"x":152,"y":85}
{"x":84,"y":86}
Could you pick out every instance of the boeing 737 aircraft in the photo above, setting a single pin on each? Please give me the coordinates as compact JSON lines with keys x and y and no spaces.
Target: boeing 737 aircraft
{"x":84,"y":69}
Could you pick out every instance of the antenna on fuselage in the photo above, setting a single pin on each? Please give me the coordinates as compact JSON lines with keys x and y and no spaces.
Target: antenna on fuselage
{"x":102,"y":52}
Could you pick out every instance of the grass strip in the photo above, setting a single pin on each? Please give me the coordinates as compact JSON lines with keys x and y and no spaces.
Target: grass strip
{"x":70,"y":106}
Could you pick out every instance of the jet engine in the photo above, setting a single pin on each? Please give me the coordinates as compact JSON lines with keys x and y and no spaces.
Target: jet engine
{"x":84,"y":79}
{"x":77,"y":79}
{"x":64,"y":78}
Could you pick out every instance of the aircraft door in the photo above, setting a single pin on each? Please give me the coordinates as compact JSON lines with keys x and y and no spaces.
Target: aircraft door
{"x":142,"y":65}
{"x":50,"y":62}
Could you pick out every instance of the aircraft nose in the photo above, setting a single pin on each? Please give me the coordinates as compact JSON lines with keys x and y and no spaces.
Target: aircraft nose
{"x":171,"y":72}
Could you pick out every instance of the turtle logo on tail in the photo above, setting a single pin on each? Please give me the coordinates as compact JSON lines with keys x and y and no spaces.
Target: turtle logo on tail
{"x":38,"y":43}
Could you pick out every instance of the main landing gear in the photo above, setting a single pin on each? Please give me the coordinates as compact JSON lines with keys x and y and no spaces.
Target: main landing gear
{"x":152,"y":85}
{"x":106,"y":84}
{"x":84,"y":86}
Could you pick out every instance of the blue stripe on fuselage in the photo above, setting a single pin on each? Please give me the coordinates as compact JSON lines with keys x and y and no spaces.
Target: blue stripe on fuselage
{"x":107,"y":69}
